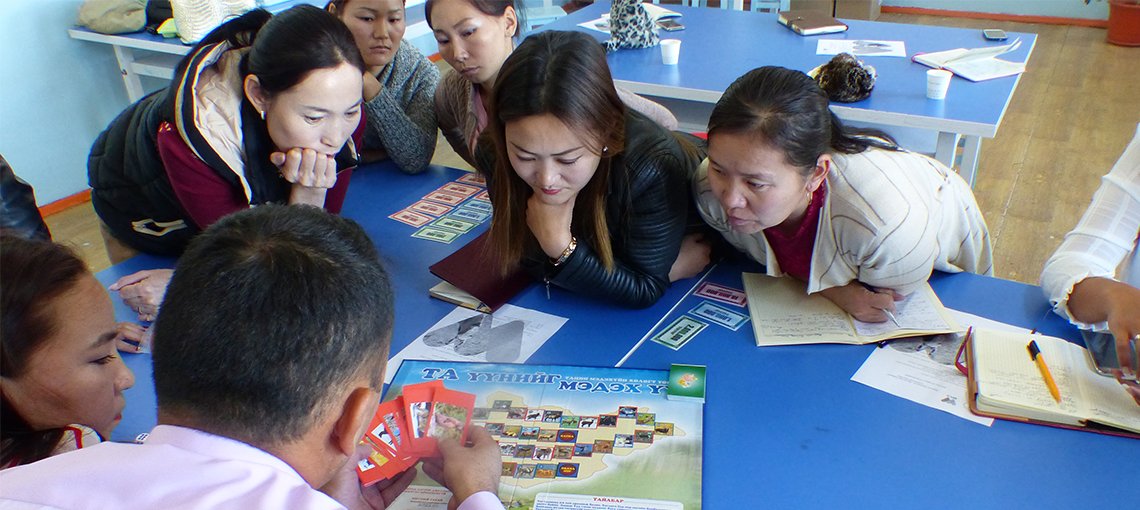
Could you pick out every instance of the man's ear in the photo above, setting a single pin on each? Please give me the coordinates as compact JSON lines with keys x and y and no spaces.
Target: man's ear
{"x":355,"y":416}
{"x":256,"y":94}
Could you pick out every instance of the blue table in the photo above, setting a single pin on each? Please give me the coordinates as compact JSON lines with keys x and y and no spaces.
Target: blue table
{"x":718,"y":46}
{"x":785,"y":426}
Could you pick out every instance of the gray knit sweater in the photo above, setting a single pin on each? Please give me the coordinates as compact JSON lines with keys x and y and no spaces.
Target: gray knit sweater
{"x":401,"y":118}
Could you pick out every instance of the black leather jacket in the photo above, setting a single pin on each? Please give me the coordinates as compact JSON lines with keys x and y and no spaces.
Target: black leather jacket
{"x":646,"y":212}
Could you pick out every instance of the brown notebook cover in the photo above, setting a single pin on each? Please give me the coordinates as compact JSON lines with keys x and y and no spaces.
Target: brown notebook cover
{"x":475,"y":270}
{"x":808,"y":22}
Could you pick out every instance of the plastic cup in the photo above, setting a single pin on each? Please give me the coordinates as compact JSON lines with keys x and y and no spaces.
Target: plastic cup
{"x":937,"y":83}
{"x":670,"y":51}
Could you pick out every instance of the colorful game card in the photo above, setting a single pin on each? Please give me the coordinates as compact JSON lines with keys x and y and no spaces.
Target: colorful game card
{"x":438,"y":235}
{"x":377,"y":466}
{"x":450,"y":416}
{"x":412,"y":218}
{"x":385,"y":430}
{"x":723,"y":294}
{"x":483,"y":196}
{"x":477,"y":205}
{"x":462,"y":190}
{"x":418,"y":400}
{"x":679,"y":333}
{"x":456,"y":224}
{"x":445,"y":198}
{"x":473,"y":179}
{"x":468,"y":214}
{"x":686,"y":383}
{"x":719,"y":315}
{"x":431,"y":208}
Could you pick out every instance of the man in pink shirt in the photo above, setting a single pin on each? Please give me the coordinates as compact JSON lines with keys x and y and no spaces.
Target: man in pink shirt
{"x":268,"y":366}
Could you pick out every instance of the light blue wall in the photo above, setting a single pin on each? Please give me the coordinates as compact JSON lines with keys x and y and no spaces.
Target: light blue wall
{"x":1097,"y":9}
{"x":56,"y":96}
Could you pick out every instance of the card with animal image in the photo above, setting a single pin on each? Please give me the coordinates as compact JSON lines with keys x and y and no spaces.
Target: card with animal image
{"x":450,"y":416}
{"x":386,"y":430}
{"x":377,"y":466}
{"x":418,"y":400}
{"x":431,"y":208}
{"x":719,"y":315}
{"x":412,"y":218}
{"x":679,"y":332}
{"x":453,"y":223}
{"x":438,"y":235}
{"x":723,"y":294}
{"x":462,"y":190}
{"x":473,"y":179}
{"x":445,"y":198}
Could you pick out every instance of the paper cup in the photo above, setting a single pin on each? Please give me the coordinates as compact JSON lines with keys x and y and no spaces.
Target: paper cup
{"x":670,"y":51}
{"x":937,"y":82}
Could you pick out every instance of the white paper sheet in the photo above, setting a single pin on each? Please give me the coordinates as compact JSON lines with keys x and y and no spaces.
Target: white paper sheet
{"x":538,"y":327}
{"x":922,"y":370}
{"x":861,"y":48}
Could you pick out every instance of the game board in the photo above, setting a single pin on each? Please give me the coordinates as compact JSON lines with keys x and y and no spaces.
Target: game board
{"x":575,"y":437}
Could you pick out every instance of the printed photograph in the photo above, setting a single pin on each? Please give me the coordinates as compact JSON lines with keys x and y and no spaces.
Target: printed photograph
{"x":564,"y":452}
{"x":524,"y":471}
{"x":607,"y":420}
{"x":587,"y":422}
{"x":545,"y":470}
{"x":623,"y":441}
{"x":552,"y":416}
{"x":646,"y":418}
{"x":643,"y":436}
{"x":524,"y":451}
{"x":534,"y":415}
{"x":448,"y":421}
{"x":516,"y":413}
{"x":393,"y":426}
{"x":512,"y":431}
{"x":603,"y":446}
{"x":530,"y":433}
{"x":583,"y":450}
{"x":419,"y":418}
{"x":495,"y":429}
{"x":627,"y":412}
{"x":548,"y":435}
{"x":543,"y":452}
{"x":509,"y":468}
{"x":480,"y":413}
{"x":569,"y":421}
{"x":501,"y":405}
{"x":507,"y":449}
{"x":381,"y":432}
{"x":663,"y":429}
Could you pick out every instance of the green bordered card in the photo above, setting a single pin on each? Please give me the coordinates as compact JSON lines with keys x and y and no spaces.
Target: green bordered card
{"x":687,"y":383}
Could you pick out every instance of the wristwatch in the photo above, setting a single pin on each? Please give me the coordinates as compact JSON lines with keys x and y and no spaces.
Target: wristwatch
{"x":566,"y":253}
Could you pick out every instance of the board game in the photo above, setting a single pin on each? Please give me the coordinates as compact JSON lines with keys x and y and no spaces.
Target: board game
{"x":573,"y":437}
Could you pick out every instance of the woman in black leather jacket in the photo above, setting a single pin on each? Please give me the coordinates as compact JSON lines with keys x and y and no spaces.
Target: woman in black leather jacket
{"x":588,"y":195}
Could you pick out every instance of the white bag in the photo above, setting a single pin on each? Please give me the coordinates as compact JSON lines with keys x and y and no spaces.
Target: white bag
{"x":196,"y":18}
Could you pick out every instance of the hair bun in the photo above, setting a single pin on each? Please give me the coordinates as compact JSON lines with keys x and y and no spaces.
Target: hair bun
{"x":845,"y":79}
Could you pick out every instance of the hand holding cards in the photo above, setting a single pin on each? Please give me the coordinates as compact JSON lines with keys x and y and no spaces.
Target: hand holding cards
{"x":409,"y":427}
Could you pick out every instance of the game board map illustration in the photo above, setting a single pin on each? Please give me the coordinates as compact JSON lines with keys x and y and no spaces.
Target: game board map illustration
{"x":573,"y":437}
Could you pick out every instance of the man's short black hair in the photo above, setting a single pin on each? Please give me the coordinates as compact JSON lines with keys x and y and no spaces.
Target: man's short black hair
{"x":270,"y":312}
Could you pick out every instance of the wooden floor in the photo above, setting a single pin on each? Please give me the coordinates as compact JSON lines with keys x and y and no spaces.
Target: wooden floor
{"x":1075,"y":110}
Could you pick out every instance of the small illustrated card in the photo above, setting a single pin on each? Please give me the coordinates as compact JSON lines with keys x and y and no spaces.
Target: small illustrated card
{"x":723,"y":294}
{"x":450,"y":415}
{"x":386,"y":431}
{"x":378,"y":465}
{"x":469,"y":214}
{"x":477,"y":205}
{"x":417,"y":409}
{"x":679,"y":332}
{"x":453,"y":223}
{"x":483,"y":196}
{"x":463,"y":190}
{"x":412,"y":218}
{"x":431,"y":208}
{"x":438,"y":235}
{"x":473,"y":179}
{"x":686,"y":383}
{"x":445,"y":198}
{"x":719,"y":315}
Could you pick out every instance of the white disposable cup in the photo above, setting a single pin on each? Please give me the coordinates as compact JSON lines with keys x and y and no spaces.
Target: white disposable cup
{"x":937,"y":82}
{"x":670,"y":51}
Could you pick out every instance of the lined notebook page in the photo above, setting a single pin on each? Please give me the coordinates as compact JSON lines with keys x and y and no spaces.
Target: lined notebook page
{"x":916,"y":311}
{"x":783,"y":313}
{"x":1006,"y":374}
{"x":1109,"y":403}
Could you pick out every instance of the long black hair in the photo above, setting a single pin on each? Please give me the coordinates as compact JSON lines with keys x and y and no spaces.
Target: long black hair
{"x":789,"y":111}
{"x":35,"y":273}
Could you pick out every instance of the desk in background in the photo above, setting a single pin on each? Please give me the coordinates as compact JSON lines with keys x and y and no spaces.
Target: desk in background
{"x":718,"y":46}
{"x":785,"y":427}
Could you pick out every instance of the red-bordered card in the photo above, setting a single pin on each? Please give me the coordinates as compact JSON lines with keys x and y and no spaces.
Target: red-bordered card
{"x":456,"y":188}
{"x":378,"y":465}
{"x":412,"y":218}
{"x":473,"y":179}
{"x":418,"y":400}
{"x":386,"y":430}
{"x":445,"y":198}
{"x":483,"y":196}
{"x":431,"y":208}
{"x":723,"y":294}
{"x":450,"y":415}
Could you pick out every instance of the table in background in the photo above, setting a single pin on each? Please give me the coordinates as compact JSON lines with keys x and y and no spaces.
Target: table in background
{"x":718,"y":46}
{"x":785,"y":427}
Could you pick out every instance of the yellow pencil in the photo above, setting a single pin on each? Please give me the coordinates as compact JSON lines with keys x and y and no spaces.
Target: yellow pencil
{"x":1035,"y":354}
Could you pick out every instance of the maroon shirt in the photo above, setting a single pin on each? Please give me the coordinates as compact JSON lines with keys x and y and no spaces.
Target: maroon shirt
{"x":793,"y":252}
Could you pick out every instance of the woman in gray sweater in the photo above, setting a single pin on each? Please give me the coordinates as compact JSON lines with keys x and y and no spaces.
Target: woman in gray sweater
{"x":399,"y":87}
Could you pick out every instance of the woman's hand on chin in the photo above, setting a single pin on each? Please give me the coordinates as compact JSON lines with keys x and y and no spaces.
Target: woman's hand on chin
{"x":306,"y":167}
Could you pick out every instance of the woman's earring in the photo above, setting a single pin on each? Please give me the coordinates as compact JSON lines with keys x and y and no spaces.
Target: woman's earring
{"x":605,"y":149}
{"x":262,"y":112}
